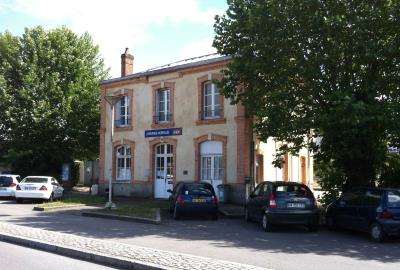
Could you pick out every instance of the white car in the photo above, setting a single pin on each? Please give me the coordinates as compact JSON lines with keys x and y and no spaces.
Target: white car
{"x":39,"y":187}
{"x":8,"y":184}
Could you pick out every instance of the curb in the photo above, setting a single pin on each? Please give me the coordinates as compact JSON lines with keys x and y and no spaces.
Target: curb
{"x":39,"y":208}
{"x":80,"y":254}
{"x":156,"y":221}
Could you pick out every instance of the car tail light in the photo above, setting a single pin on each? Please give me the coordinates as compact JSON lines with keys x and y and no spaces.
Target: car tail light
{"x":215,"y":200}
{"x":13,"y":184}
{"x":386,"y":214}
{"x":272,"y":201}
{"x":180,"y":200}
{"x":43,"y":188}
{"x":18,"y":187}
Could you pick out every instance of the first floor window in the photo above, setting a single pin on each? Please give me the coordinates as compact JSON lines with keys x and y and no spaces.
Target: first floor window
{"x":123,"y":116}
{"x":212,"y":167}
{"x":212,"y":107}
{"x":124,"y":163}
{"x":163,"y":106}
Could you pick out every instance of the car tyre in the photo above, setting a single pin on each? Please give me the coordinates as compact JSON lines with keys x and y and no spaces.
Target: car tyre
{"x":246,"y":215}
{"x":176,"y":214}
{"x":214,"y":216}
{"x":51,"y":199}
{"x":376,"y":232}
{"x":19,"y":200}
{"x":313,"y":227}
{"x":265,"y":223}
{"x":330,"y":223}
{"x":61,"y":196}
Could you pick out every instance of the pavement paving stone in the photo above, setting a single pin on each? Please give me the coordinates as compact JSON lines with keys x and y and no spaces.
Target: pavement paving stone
{"x":161,"y":258}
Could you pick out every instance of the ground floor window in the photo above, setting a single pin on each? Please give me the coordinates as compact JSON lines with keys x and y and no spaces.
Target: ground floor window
{"x":212,"y":166}
{"x":124,"y":163}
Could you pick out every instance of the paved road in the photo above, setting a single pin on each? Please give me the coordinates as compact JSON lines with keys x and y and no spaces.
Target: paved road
{"x":14,"y":257}
{"x":232,"y":240}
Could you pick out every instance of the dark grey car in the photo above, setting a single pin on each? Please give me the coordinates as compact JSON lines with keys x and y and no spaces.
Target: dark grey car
{"x":289,"y":203}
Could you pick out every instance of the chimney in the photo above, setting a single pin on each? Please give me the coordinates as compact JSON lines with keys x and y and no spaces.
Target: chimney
{"x":126,"y":63}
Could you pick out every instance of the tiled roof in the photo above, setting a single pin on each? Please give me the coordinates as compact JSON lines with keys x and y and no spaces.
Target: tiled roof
{"x":183,"y":64}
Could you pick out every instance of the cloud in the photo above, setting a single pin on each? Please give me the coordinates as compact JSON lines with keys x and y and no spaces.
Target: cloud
{"x":115,"y":24}
{"x":198,"y":48}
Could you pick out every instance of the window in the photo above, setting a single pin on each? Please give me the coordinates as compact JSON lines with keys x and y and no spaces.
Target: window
{"x":122,"y":112}
{"x":212,"y":106}
{"x":163,"y":113}
{"x":124,"y":163}
{"x":393,"y":199}
{"x":211,"y":160}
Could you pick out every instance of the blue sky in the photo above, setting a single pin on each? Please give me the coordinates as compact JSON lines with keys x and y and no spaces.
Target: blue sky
{"x":156,"y":31}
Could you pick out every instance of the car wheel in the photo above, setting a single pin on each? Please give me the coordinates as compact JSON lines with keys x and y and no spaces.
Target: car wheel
{"x":265,"y":223}
{"x":19,"y":200}
{"x":61,"y":196}
{"x":176,"y":214}
{"x":330,"y":223}
{"x":313,"y":227}
{"x":51,"y":199}
{"x":376,"y":232}
{"x":246,"y":215}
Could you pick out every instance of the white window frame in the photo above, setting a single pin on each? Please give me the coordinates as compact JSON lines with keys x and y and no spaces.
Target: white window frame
{"x":215,"y":107}
{"x":124,"y":172}
{"x":166,"y":107}
{"x":211,"y":161}
{"x":123,"y":116}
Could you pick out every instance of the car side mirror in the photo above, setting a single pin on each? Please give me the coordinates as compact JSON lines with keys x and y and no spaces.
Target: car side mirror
{"x":169,"y":190}
{"x":252,"y":195}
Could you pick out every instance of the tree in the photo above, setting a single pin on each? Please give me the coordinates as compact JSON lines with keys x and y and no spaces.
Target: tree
{"x":325,"y":66}
{"x":49,"y":99}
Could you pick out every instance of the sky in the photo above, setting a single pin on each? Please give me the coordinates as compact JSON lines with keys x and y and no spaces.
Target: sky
{"x":157,"y":32}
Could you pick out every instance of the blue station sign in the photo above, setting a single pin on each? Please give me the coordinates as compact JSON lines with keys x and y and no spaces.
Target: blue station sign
{"x":162,"y":132}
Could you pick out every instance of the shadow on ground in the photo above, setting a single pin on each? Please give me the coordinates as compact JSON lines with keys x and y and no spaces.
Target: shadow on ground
{"x":221,"y":233}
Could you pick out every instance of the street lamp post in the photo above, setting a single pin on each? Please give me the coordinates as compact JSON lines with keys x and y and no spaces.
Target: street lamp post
{"x":112,"y":100}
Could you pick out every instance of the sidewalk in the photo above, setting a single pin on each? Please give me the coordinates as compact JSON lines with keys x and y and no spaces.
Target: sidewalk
{"x":110,"y":253}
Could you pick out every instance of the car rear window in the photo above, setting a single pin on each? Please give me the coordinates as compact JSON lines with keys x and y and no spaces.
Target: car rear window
{"x":291,"y":190}
{"x":5,"y":181}
{"x":393,"y":199}
{"x":197,"y":189}
{"x":38,"y":180}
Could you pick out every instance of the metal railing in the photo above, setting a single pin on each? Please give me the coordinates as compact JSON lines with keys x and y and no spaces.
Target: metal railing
{"x":123,"y":122}
{"x":211,"y":114}
{"x":162,"y":118}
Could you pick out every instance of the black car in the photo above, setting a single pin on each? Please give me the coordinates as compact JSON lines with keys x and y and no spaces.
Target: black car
{"x":289,"y":203}
{"x":193,"y":198}
{"x":372,"y":210}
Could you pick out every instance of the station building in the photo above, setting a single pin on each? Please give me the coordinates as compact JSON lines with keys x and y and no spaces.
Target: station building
{"x":171,"y":124}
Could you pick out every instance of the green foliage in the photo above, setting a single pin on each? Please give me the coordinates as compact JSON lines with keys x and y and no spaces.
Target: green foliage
{"x":49,"y":99}
{"x":390,"y":175}
{"x":322,"y":74}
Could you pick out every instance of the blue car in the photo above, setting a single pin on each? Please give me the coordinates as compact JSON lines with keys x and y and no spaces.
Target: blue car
{"x":372,"y":210}
{"x":193,"y":198}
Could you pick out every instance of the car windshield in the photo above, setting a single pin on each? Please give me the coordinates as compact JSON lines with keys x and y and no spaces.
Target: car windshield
{"x":394,"y":198}
{"x":5,"y":181}
{"x":291,"y":190}
{"x":38,"y":180}
{"x":197,"y":189}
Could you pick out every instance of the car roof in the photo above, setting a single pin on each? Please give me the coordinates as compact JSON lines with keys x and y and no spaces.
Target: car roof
{"x":283,"y":183}
{"x":6,"y":174}
{"x":31,"y":176}
{"x":373,"y":188}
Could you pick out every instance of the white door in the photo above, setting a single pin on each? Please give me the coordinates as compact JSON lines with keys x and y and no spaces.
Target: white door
{"x":164,"y":170}
{"x":212,"y":168}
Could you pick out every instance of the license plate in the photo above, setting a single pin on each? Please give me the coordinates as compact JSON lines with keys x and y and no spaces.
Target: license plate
{"x":3,"y":188}
{"x":30,"y":188}
{"x":296,"y":205}
{"x":199,"y":200}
